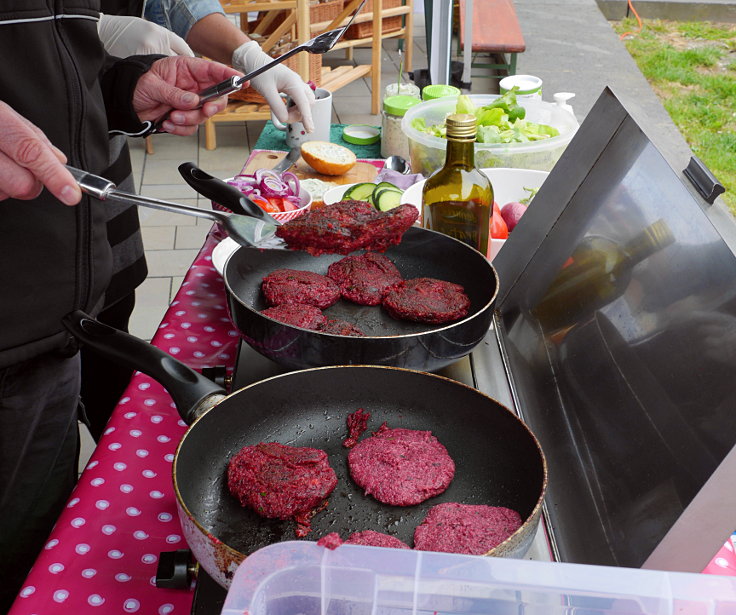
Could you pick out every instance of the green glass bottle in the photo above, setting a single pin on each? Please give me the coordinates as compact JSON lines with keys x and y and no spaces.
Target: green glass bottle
{"x":457,"y":200}
{"x":597,"y":273}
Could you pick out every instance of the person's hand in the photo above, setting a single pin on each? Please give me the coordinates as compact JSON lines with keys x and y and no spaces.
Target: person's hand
{"x":249,"y":57}
{"x":125,"y":36}
{"x":29,"y":161}
{"x":171,"y":85}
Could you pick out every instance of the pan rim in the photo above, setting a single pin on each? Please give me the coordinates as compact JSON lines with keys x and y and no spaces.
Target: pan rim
{"x":480,"y":313}
{"x":534,"y":514}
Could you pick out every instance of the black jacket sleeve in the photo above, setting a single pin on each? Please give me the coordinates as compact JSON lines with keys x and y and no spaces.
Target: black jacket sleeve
{"x":118,"y":82}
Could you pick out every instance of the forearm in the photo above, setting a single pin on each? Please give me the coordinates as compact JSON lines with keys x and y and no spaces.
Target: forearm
{"x":216,"y":37}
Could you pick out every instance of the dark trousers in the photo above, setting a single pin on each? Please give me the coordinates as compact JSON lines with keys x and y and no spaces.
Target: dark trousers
{"x":103,"y":381}
{"x":39,"y":449}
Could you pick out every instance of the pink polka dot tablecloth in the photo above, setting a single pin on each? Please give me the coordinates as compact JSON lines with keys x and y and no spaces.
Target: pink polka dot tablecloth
{"x":103,"y":552}
{"x":102,"y":555}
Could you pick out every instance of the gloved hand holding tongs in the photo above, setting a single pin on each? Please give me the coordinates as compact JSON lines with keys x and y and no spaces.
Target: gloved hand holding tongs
{"x":254,"y":63}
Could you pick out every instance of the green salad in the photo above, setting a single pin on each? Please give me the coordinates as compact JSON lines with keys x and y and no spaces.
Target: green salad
{"x":502,"y":121}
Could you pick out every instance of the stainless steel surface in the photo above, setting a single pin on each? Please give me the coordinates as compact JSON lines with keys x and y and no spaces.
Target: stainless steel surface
{"x":634,"y":402}
{"x":245,"y":230}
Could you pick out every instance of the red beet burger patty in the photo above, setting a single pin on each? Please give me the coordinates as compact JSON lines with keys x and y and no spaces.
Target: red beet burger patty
{"x":297,"y":315}
{"x":279,"y":481}
{"x":370,"y":538}
{"x":427,"y":300}
{"x":465,"y":528}
{"x":347,"y":226}
{"x":364,"y":278}
{"x":336,"y":326}
{"x":296,"y":286}
{"x":401,"y":467}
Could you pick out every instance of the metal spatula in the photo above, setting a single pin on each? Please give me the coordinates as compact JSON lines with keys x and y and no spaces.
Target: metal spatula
{"x":246,"y":230}
{"x":320,"y":44}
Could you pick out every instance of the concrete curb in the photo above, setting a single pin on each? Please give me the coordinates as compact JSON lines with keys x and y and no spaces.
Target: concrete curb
{"x":675,"y":10}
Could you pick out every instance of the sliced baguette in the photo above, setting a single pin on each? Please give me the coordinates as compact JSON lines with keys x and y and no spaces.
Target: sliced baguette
{"x":328,"y":158}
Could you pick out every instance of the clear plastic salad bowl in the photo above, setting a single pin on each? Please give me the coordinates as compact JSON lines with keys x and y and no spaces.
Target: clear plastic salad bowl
{"x":428,"y":152}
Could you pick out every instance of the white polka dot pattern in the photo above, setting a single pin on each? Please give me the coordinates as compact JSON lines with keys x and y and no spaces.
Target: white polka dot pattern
{"x":103,"y":552}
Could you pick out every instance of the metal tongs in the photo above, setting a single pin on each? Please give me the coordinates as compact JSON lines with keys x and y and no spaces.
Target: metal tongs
{"x":254,"y":229}
{"x":320,"y":44}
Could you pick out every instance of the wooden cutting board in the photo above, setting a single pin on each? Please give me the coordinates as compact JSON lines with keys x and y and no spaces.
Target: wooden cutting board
{"x":361,"y":172}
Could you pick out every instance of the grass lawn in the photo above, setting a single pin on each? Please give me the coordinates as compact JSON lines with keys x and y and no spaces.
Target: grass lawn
{"x":692,"y":68}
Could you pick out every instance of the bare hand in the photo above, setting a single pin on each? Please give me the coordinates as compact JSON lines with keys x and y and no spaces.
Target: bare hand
{"x":29,"y":161}
{"x":172,"y":84}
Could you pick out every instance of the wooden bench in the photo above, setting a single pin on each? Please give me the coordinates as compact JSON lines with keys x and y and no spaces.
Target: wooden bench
{"x":495,"y":32}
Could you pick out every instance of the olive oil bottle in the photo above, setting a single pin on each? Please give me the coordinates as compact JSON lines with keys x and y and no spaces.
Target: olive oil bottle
{"x":457,"y":199}
{"x":597,"y":273}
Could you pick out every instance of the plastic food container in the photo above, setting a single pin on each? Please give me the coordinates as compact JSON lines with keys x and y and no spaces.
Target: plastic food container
{"x":393,"y":138}
{"x":428,"y":152}
{"x":299,"y":577}
{"x":431,"y":92}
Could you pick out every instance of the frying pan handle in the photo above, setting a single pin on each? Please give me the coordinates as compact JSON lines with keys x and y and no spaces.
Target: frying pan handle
{"x":192,"y":393}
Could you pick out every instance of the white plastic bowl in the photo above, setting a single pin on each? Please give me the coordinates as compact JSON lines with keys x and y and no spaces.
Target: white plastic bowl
{"x":305,"y":202}
{"x":508,"y":185}
{"x":428,"y":152}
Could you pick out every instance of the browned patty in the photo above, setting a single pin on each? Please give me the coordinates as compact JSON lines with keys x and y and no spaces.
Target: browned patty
{"x":296,"y":286}
{"x":335,"y":326}
{"x":279,"y":481}
{"x":347,"y":226}
{"x":427,"y":300}
{"x":465,"y":528}
{"x":401,"y":467}
{"x":364,"y":278}
{"x":297,"y":315}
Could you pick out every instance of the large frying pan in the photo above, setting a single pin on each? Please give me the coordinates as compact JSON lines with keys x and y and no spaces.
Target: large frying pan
{"x":498,"y":460}
{"x":421,"y":253}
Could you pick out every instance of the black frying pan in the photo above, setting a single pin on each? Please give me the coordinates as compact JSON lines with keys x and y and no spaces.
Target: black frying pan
{"x":421,"y":253}
{"x":498,"y":460}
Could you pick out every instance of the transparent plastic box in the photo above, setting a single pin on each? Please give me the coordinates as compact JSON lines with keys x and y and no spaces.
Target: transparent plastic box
{"x":428,"y":152}
{"x":300,"y":578}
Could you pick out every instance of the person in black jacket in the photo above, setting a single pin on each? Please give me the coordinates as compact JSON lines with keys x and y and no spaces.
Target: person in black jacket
{"x":59,"y":98}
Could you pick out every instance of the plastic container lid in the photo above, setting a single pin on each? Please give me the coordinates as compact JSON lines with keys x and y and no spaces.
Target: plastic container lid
{"x":300,"y":577}
{"x":361,"y":134}
{"x":439,"y":90}
{"x":399,"y":104}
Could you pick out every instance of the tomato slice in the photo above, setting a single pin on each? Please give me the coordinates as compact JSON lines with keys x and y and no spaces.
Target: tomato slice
{"x":287,"y":205}
{"x":265,"y":204}
{"x":499,"y":229}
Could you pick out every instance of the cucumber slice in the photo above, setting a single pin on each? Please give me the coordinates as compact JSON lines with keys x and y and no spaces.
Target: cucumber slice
{"x":387,"y":199}
{"x":387,"y":186}
{"x":360,"y":192}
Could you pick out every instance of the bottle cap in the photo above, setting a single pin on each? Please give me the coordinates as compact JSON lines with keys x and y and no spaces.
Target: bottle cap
{"x":430,"y":92}
{"x":461,"y":126}
{"x":399,"y":104}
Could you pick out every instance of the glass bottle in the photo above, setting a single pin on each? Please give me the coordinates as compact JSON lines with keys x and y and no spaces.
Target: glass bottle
{"x":457,"y":199}
{"x":597,"y":273}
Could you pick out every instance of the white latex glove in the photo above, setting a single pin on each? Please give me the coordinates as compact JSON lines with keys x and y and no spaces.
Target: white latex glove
{"x":248,"y":57}
{"x":125,"y":36}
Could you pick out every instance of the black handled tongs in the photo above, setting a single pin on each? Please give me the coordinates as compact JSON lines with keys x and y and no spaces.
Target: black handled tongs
{"x":248,"y":230}
{"x":320,"y":44}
